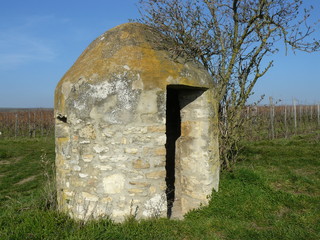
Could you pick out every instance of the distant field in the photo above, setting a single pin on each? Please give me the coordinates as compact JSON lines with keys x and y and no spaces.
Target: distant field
{"x":28,"y":122}
{"x":270,"y":122}
{"x":24,"y":109}
{"x":274,"y":193}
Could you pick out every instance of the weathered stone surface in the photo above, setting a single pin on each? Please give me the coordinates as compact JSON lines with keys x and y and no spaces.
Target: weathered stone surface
{"x":89,"y":197}
{"x":155,"y":206}
{"x":105,"y":167}
{"x":160,"y":151}
{"x":131,"y":150}
{"x":87,"y":132}
{"x":87,"y":158}
{"x":135,"y":190}
{"x":61,"y":131}
{"x":83,"y":175}
{"x":76,"y":168}
{"x":156,"y":174}
{"x":141,"y":184}
{"x":106,"y":200}
{"x":113,"y":129}
{"x":148,"y":102}
{"x":139,"y":164}
{"x":114,"y":183}
{"x":159,"y":128}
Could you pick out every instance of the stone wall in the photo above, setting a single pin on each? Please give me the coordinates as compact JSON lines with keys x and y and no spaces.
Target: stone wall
{"x":112,"y":131}
{"x":111,"y":163}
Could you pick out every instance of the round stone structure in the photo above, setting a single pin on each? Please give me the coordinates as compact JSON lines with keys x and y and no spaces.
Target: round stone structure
{"x":136,"y":130}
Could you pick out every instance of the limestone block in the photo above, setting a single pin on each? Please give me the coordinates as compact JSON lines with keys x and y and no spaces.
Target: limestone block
{"x":76,"y":168}
{"x":89,"y":197}
{"x":83,"y":175}
{"x":139,"y":164}
{"x":156,"y":174}
{"x":161,"y":140}
{"x":157,"y":128}
{"x":74,"y":150}
{"x":104,"y":158}
{"x":135,"y":190}
{"x":155,"y":206}
{"x":131,"y":150}
{"x":114,"y":183}
{"x":144,"y":139}
{"x":106,"y":200}
{"x":118,"y":158}
{"x":107,"y":133}
{"x":147,"y":102}
{"x":160,"y":151}
{"x":135,"y":130}
{"x":201,"y":113}
{"x":61,"y":130}
{"x":87,"y":158}
{"x":190,"y":128}
{"x":140,"y":184}
{"x":87,"y":132}
{"x":188,"y":203}
{"x":152,"y":190}
{"x":105,"y":168}
{"x":149,"y":118}
{"x":100,"y":149}
{"x":146,"y":151}
{"x":159,"y":161}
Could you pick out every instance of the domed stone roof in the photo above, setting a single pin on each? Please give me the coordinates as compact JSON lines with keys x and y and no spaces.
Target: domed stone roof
{"x":139,"y":52}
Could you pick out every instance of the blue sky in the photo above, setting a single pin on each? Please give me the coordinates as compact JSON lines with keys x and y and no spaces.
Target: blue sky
{"x":41,"y":39}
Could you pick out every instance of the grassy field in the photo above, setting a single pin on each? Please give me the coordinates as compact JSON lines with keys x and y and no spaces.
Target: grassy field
{"x":274,"y":193}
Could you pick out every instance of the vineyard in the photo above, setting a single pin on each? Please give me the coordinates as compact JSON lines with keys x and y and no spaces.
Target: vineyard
{"x":261,"y":122}
{"x":26,"y":123}
{"x":270,"y":122}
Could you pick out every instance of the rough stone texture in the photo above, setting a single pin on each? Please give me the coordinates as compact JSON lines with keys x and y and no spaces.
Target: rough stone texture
{"x":111,"y":141}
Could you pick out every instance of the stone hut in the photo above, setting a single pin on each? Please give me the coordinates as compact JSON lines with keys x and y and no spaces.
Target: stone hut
{"x":136,"y":130}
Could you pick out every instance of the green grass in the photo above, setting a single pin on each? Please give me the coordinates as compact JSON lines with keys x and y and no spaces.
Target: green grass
{"x":274,"y":193}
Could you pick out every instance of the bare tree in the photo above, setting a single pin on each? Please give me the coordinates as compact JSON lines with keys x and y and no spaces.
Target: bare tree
{"x":231,"y":38}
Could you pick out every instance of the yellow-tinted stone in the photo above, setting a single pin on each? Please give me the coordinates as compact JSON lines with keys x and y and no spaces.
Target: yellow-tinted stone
{"x":156,"y":174}
{"x":140,"y":52}
{"x":142,"y":184}
{"x":139,"y":164}
{"x":160,"y":151}
{"x":160,"y":128}
{"x":135,"y":190}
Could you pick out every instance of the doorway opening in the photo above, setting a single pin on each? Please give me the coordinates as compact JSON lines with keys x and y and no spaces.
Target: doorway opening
{"x":178,"y":96}
{"x":173,"y":132}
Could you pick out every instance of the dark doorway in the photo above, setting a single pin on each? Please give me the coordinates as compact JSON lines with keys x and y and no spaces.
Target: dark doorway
{"x":173,"y":132}
{"x":178,"y":96}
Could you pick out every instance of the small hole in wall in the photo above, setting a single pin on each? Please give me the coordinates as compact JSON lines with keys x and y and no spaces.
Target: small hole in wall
{"x":62,"y":118}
